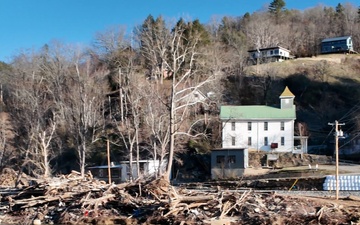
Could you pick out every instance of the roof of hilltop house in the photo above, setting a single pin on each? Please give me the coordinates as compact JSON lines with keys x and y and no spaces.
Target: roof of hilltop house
{"x":269,"y":48}
{"x":335,"y":39}
{"x":256,"y":112}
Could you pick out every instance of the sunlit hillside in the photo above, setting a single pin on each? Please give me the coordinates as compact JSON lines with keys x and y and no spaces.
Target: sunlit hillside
{"x":326,"y":68}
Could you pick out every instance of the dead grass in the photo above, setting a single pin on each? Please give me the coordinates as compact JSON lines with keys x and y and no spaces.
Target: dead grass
{"x":336,"y":68}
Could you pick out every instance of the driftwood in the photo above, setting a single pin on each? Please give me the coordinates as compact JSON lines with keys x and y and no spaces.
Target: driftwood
{"x":91,"y":197}
{"x":71,"y":199}
{"x":354,"y":198}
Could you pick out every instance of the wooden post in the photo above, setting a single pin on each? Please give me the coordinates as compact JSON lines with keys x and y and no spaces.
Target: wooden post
{"x":108,"y":159}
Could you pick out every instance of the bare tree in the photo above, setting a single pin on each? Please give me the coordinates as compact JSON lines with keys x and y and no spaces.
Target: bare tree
{"x":261,"y":32}
{"x":43,"y":140}
{"x":233,"y":49}
{"x":31,"y":106}
{"x":116,"y":52}
{"x":120,"y":59}
{"x":7,"y":151}
{"x":128,"y":129}
{"x":182,"y":65}
{"x":177,"y":52}
{"x":85,"y":106}
{"x":350,"y":19}
{"x":157,"y":121}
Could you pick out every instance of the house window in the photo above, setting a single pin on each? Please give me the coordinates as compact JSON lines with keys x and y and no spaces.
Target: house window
{"x":249,"y":141}
{"x":231,"y":159}
{"x":266,"y":141}
{"x":265,"y":125}
{"x":282,"y":141}
{"x":249,"y":125}
{"x":220,"y":159}
{"x":282,"y":126}
{"x":277,"y":51}
{"x":232,"y":125}
{"x":233,"y":141}
{"x":271,"y":52}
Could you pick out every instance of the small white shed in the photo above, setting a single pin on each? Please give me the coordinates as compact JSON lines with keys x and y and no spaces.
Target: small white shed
{"x":120,"y":172}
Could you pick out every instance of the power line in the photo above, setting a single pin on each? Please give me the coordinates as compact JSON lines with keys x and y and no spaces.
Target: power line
{"x":351,"y":111}
{"x":328,"y":135}
{"x":350,"y":140}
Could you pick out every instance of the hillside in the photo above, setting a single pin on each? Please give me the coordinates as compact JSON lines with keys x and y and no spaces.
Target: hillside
{"x":326,"y":89}
{"x":332,"y":66}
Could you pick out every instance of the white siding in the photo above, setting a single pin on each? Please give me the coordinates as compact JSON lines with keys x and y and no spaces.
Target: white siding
{"x":267,"y":53}
{"x":150,"y":168}
{"x":284,"y":53}
{"x":257,"y":134}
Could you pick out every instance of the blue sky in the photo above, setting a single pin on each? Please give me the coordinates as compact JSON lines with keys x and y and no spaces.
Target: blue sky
{"x":29,"y":24}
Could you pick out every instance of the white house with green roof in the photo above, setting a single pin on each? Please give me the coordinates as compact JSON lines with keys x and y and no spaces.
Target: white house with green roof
{"x":260,"y":127}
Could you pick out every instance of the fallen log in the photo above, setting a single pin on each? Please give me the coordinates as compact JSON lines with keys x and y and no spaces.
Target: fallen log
{"x":190,"y":199}
{"x":353,"y":198}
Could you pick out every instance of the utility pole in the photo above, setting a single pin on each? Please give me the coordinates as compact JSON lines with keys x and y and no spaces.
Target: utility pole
{"x":108,"y":159}
{"x":338,"y":133}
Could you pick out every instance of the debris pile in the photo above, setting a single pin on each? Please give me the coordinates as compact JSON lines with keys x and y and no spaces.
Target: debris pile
{"x":10,"y":178}
{"x":72,"y":199}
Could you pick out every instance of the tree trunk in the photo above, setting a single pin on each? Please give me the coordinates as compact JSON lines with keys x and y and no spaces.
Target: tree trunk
{"x":131,"y":162}
{"x":137,"y":152}
{"x":82,"y":160}
{"x":121,"y":97}
{"x":172,"y":130}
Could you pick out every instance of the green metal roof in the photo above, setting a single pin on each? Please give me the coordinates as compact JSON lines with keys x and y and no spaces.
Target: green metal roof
{"x":256,"y":112}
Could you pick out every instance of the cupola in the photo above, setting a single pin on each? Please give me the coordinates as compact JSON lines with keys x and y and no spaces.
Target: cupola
{"x":287,"y":99}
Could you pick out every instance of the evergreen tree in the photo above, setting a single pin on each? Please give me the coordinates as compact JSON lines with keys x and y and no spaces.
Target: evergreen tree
{"x":340,"y":10}
{"x":197,"y":28}
{"x":246,"y":15}
{"x":276,"y":6}
{"x":340,"y":18}
{"x":193,"y":31}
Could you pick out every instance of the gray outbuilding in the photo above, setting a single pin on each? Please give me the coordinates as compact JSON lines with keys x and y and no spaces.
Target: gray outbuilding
{"x":228,"y":163}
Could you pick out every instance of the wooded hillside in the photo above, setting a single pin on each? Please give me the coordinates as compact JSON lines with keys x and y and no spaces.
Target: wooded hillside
{"x":61,"y":104}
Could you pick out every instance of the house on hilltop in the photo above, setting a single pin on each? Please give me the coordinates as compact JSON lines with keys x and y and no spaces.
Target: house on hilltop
{"x":271,"y":54}
{"x":262,"y":127}
{"x":337,"y":45}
